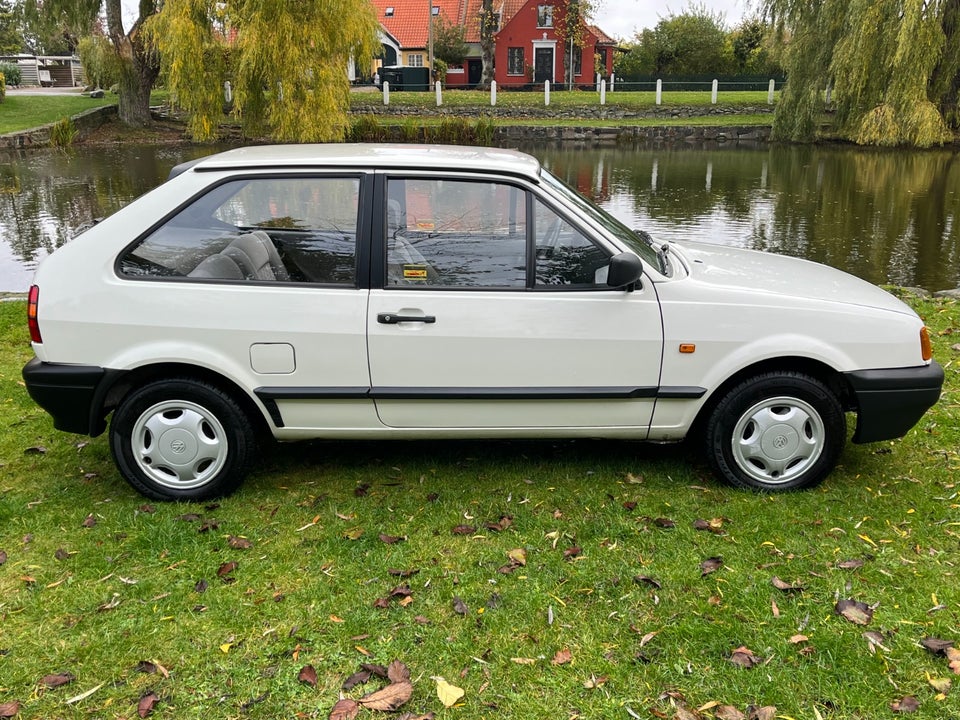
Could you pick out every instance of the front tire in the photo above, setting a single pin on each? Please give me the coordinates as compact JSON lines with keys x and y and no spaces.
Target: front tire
{"x":776,"y":432}
{"x":181,"y":439}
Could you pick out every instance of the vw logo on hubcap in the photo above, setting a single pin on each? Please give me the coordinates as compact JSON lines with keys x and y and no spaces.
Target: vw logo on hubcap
{"x":780,"y":442}
{"x":178,"y":446}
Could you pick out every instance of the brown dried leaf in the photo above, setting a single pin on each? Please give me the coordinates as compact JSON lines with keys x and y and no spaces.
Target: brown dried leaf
{"x":3,"y":557}
{"x":411,"y":716}
{"x":57,"y":680}
{"x":390,"y":539}
{"x":358,"y":678}
{"x":907,"y":704}
{"x":572,"y":552}
{"x":145,"y":706}
{"x":850,"y":564}
{"x":768,"y":712}
{"x":785,"y":586}
{"x":459,"y":606}
{"x":728,"y":712}
{"x":953,"y":655}
{"x":239,"y":543}
{"x":594,"y":682}
{"x":10,"y":709}
{"x":208,"y":525}
{"x":562,"y":657}
{"x":710,"y":565}
{"x":744,"y":657}
{"x":402,"y":573}
{"x":381,"y":603}
{"x":518,"y":556}
{"x":201,"y":586}
{"x":936,"y":645}
{"x":397,"y":672}
{"x":89,"y":521}
{"x":941,"y":685}
{"x":464,"y":530}
{"x":345,"y":709}
{"x":714,"y":525}
{"x":645,"y":580}
{"x":226,"y":568}
{"x":664,"y":522}
{"x":389,"y":698}
{"x":308,"y":675}
{"x":797,"y":639}
{"x":854,"y":611}
{"x":36,"y":450}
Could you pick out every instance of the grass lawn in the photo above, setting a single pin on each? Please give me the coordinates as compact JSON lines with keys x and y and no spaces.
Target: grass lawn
{"x":546,"y":580}
{"x":22,"y":112}
{"x":628,"y":100}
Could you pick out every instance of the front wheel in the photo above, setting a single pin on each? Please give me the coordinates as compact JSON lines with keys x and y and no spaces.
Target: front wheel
{"x":181,"y":439}
{"x":775,"y":432}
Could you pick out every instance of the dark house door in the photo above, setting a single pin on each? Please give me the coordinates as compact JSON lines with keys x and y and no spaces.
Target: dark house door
{"x":474,"y":71}
{"x":543,"y":64}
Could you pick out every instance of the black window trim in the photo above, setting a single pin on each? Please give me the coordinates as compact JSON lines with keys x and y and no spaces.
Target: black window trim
{"x":361,"y":254}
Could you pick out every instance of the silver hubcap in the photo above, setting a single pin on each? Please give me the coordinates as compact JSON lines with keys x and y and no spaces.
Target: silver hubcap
{"x":778,"y":439}
{"x":179,"y":444}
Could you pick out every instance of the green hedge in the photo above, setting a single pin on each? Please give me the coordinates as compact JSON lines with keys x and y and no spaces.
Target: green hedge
{"x":3,"y":87}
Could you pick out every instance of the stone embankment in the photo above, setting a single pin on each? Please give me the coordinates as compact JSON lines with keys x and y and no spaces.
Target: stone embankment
{"x":84,"y":123}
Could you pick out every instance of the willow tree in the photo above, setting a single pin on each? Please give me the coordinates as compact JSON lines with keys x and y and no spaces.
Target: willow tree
{"x":893,"y":67}
{"x":137,"y":63}
{"x":286,"y":62}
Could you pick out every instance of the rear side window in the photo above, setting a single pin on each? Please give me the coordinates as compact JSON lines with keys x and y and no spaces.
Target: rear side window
{"x":299,"y":229}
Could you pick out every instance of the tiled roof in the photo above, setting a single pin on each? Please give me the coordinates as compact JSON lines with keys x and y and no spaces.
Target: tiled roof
{"x":602,"y":37}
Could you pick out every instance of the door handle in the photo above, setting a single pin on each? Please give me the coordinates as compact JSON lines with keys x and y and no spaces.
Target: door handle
{"x":393,"y":318}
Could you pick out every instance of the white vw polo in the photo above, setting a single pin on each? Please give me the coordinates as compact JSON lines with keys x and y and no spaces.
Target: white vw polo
{"x":358,"y":291}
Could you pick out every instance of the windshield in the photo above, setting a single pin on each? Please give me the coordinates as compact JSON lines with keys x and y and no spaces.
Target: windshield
{"x":628,"y":237}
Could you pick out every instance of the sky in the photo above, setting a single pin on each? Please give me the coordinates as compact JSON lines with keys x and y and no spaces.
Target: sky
{"x":622,"y":18}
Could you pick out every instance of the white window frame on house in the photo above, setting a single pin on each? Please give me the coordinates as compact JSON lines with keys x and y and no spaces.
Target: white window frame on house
{"x":388,"y":12}
{"x":415,"y":59}
{"x":511,"y":61}
{"x":544,"y":16}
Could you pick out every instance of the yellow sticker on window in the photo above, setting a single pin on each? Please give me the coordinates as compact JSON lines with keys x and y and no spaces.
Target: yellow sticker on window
{"x":414,"y":272}
{"x":426,"y":225}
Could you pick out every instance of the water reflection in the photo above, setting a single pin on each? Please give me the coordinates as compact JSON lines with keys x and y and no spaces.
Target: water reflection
{"x":887,"y":216}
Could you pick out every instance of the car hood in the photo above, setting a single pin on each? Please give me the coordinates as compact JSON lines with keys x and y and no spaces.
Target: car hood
{"x":761,"y":272}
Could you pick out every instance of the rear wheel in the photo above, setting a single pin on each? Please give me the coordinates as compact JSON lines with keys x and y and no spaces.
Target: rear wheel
{"x":774,"y":432}
{"x":181,"y":439}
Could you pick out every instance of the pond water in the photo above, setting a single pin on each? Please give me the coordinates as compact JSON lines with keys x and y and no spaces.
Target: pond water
{"x":886,"y":216}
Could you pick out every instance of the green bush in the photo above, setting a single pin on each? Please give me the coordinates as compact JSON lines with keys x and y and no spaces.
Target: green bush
{"x":63,"y":133}
{"x":3,"y":87}
{"x":11,"y":72}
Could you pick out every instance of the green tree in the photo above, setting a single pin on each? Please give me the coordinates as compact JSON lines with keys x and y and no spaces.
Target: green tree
{"x":448,"y":42}
{"x":691,"y":43}
{"x":100,"y":63}
{"x":137,"y":62}
{"x":11,"y":38}
{"x":287,"y":62}
{"x":489,"y":24}
{"x":569,"y":24}
{"x":754,"y":49}
{"x":893,"y":66}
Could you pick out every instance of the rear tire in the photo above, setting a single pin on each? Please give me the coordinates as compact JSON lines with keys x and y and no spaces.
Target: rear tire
{"x":776,"y":432}
{"x":182,"y":439}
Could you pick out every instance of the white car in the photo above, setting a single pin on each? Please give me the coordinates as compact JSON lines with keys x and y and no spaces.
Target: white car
{"x":362,"y":291}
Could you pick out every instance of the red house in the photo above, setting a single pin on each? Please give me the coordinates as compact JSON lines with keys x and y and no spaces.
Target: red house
{"x":527,"y":46}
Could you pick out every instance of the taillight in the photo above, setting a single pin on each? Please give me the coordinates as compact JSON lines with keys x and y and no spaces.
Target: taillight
{"x":33,"y":321}
{"x":926,"y":349}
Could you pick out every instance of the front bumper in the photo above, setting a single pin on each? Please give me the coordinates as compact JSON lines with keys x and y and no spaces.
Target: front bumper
{"x":892,"y":400}
{"x":71,"y":394}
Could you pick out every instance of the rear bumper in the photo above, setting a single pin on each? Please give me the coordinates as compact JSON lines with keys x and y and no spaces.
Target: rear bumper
{"x":71,"y":394}
{"x":891,"y":401}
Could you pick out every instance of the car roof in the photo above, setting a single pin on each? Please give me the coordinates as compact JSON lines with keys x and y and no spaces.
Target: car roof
{"x":368,"y":155}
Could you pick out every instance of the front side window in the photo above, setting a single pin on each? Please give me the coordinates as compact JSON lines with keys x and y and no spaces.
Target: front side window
{"x":545,"y":16}
{"x":455,"y":233}
{"x":293,"y":229}
{"x":515,"y":64}
{"x":443,"y":233}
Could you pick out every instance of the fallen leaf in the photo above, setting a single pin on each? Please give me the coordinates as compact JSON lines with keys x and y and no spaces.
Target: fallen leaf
{"x":744,"y":657}
{"x":664,"y":523}
{"x":448,"y":694}
{"x":644,"y":580}
{"x":390,"y":539}
{"x":89,"y":521}
{"x":562,"y":657}
{"x":714,"y":525}
{"x":594,"y":682}
{"x":464,"y":530}
{"x":518,"y":556}
{"x":850,"y":564}
{"x":239,"y":543}
{"x":728,"y":712}
{"x":785,"y":586}
{"x":61,"y":554}
{"x":768,"y":712}
{"x":358,"y":678}
{"x":572,"y":552}
{"x":201,"y":586}
{"x":83,"y":695}
{"x":710,"y":565}
{"x":941,"y":685}
{"x":854,"y":611}
{"x":936,"y":645}
{"x":226,"y":568}
{"x":875,"y":640}
{"x":3,"y":557}
{"x":208,"y":525}
{"x":906,"y":704}
{"x":402,"y":573}
{"x":353,"y":533}
{"x":145,"y":706}
{"x":523,"y":660}
{"x":308,"y":675}
{"x":345,"y":709}
{"x":36,"y":450}
{"x":389,"y":698}
{"x":10,"y":709}
{"x":398,"y":672}
{"x":953,"y":655}
{"x":797,"y":639}
{"x":374,"y":669}
{"x":459,"y":606}
{"x":57,"y":680}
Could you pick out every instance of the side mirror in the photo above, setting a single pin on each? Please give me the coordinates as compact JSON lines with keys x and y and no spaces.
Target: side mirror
{"x":624,"y":271}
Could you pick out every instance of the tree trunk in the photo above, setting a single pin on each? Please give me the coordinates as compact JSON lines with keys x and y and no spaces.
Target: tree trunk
{"x":487,"y":29}
{"x":139,"y":65}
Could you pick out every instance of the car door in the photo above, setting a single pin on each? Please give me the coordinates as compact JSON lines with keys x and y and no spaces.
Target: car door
{"x":489,"y":309}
